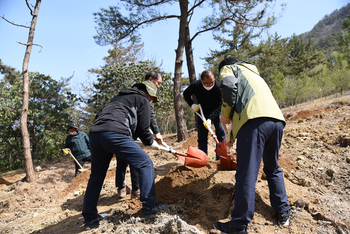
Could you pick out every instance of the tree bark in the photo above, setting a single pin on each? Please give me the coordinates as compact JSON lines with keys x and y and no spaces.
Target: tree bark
{"x":189,"y":56}
{"x":182,"y":132}
{"x":30,"y":175}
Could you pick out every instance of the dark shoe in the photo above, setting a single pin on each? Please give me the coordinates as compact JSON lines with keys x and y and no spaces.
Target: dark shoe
{"x":123,"y":191}
{"x":93,"y":223}
{"x":225,"y":228}
{"x":135,"y":193}
{"x":284,"y":218}
{"x":148,"y":213}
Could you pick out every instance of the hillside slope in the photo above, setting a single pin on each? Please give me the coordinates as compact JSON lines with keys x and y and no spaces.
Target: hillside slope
{"x":325,"y":34}
{"x":315,"y":157}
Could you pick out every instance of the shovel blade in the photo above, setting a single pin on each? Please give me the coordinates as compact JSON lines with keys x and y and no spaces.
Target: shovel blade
{"x":196,"y":158}
{"x":221,"y":149}
{"x":227,"y":164}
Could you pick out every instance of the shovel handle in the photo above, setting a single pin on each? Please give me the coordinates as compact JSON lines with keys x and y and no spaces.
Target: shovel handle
{"x":170,"y":150}
{"x":174,"y":152}
{"x":67,"y":151}
{"x":227,"y":138}
{"x":204,"y":120}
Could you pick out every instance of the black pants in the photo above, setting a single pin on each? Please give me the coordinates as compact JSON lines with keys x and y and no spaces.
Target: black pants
{"x":78,"y":170}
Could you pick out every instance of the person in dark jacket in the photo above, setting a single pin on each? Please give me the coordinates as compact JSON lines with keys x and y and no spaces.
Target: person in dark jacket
{"x":156,"y":79}
{"x":208,"y":95}
{"x":117,"y":125}
{"x":123,"y":189}
{"x":78,"y":143}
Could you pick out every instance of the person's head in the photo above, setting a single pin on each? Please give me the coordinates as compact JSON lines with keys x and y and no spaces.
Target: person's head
{"x":149,"y":88}
{"x":227,"y":61}
{"x":208,"y":79}
{"x":72,"y":128}
{"x":154,"y":77}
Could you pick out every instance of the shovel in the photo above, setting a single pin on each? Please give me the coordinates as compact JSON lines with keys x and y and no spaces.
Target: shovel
{"x":226,"y":161}
{"x":193,"y":158}
{"x":67,"y":151}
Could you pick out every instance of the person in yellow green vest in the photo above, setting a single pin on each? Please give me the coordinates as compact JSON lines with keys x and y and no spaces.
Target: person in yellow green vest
{"x":257,"y":124}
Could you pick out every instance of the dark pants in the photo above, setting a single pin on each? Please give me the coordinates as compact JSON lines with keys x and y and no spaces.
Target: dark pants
{"x":120,"y":175}
{"x":203,"y":134}
{"x":103,"y":145}
{"x":78,"y":169}
{"x":258,"y":139}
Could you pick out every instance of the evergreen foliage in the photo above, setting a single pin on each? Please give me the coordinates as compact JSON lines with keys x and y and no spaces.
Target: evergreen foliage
{"x":49,"y":112}
{"x":112,"y":79}
{"x":295,"y":68}
{"x":344,"y":42}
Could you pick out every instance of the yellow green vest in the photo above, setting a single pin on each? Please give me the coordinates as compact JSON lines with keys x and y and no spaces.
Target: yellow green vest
{"x":253,"y":98}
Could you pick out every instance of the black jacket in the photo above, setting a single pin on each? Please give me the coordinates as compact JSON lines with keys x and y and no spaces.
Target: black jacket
{"x":154,"y":124}
{"x":127,"y":113}
{"x":210,"y":101}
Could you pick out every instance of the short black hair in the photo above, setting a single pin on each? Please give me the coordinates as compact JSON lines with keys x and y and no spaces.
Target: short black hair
{"x":227,"y":61}
{"x":152,"y":74}
{"x":206,"y":73}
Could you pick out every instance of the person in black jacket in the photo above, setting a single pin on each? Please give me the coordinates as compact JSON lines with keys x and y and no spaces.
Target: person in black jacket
{"x":208,"y":95}
{"x":123,"y":189}
{"x":156,"y":79}
{"x":116,"y":126}
{"x":78,"y":143}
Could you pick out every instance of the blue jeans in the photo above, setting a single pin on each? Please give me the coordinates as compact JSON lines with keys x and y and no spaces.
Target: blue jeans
{"x":203,"y":134}
{"x":258,"y":139}
{"x":103,"y":145}
{"x":120,"y":175}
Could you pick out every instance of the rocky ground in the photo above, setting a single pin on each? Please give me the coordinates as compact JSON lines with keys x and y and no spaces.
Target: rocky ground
{"x":315,"y":157}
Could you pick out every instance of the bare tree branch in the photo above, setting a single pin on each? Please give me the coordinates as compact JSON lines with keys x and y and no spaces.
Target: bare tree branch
{"x":194,"y":6}
{"x":237,"y":21}
{"x":31,"y":11}
{"x":153,"y":4}
{"x":148,"y":21}
{"x":19,"y":25}
{"x":26,"y":44}
{"x":209,"y":29}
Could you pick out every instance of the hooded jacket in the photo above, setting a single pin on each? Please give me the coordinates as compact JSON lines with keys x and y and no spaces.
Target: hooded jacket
{"x":127,"y":113}
{"x":246,"y":95}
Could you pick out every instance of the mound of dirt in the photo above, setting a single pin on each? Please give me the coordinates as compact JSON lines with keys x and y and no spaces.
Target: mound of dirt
{"x":315,"y":158}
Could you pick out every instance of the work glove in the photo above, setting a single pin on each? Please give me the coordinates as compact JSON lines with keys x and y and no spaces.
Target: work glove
{"x":155,"y":145}
{"x":207,"y":123}
{"x":195,"y":107}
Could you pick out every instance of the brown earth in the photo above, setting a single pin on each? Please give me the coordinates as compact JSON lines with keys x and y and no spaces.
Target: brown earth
{"x":315,"y":157}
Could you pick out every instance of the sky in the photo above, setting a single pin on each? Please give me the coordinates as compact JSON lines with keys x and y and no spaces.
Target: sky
{"x":65,"y":30}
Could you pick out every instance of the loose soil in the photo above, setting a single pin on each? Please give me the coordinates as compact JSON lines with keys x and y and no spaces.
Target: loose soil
{"x":315,"y":158}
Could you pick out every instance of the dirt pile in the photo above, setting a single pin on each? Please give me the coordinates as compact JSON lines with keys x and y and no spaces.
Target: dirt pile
{"x":315,"y":158}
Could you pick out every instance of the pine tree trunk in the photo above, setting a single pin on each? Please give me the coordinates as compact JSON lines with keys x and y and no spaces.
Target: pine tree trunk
{"x":189,"y":56}
{"x":182,"y":132}
{"x":30,"y":175}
